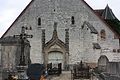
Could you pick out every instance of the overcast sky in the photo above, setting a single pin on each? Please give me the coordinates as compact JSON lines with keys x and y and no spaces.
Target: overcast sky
{"x":10,"y":9}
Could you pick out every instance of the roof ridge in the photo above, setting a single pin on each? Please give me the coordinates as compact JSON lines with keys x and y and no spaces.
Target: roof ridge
{"x":18,"y":17}
{"x":101,"y":19}
{"x":108,"y":13}
{"x":81,"y":0}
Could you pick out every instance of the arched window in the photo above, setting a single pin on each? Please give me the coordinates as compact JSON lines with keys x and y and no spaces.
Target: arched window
{"x":39,"y":21}
{"x":72,"y":20}
{"x":103,"y":34}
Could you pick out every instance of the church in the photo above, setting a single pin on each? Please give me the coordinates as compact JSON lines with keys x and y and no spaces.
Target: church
{"x":64,"y":31}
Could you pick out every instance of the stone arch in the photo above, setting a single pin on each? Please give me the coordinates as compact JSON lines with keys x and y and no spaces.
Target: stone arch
{"x":102,"y":34}
{"x":55,"y":45}
{"x":103,"y":62}
{"x":56,"y":50}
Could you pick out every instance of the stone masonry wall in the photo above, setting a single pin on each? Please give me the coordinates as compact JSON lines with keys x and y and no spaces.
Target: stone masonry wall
{"x":60,"y":11}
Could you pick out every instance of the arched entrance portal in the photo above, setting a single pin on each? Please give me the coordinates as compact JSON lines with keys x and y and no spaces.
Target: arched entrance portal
{"x":55,"y":57}
{"x":55,"y":51}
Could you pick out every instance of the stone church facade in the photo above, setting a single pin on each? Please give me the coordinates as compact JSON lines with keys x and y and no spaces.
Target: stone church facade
{"x":67,"y":31}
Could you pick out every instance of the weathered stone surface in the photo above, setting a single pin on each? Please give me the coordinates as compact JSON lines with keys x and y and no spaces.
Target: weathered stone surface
{"x":80,"y":39}
{"x":10,"y":55}
{"x":66,"y":75}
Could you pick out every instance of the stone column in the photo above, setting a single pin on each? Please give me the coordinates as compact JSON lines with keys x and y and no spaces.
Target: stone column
{"x":67,"y":48}
{"x":43,"y":44}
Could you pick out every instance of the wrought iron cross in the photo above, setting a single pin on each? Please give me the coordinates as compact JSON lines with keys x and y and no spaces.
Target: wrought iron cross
{"x":22,"y":37}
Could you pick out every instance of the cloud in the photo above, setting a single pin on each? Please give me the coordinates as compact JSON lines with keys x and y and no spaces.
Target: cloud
{"x":10,"y":9}
{"x":97,"y":4}
{"x":7,"y":17}
{"x":114,"y":5}
{"x":101,"y":4}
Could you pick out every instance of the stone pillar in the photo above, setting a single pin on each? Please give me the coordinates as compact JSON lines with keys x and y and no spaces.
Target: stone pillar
{"x":67,"y":40}
{"x":22,"y":72}
{"x":67,"y":48}
{"x":43,"y":44}
{"x":43,"y":39}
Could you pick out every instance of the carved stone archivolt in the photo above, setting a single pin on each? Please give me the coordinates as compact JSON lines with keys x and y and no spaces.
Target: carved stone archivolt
{"x":56,"y":45}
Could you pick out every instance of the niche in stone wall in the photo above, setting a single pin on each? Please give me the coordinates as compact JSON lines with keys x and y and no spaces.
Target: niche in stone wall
{"x":102,"y":34}
{"x":39,"y":21}
{"x":72,"y":20}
